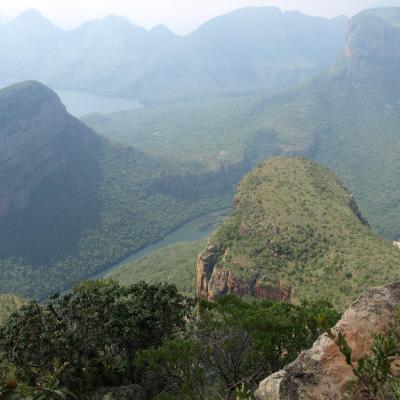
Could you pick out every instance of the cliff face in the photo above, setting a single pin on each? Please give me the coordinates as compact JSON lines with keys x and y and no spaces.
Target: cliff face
{"x":321,"y":372}
{"x":208,"y":182}
{"x":372,"y":53}
{"x":32,"y":141}
{"x":213,"y":282}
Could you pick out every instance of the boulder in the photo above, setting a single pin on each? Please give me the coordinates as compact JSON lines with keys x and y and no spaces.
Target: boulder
{"x":321,"y":372}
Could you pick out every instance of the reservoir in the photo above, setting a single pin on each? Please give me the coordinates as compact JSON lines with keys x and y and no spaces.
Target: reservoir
{"x":80,"y":103}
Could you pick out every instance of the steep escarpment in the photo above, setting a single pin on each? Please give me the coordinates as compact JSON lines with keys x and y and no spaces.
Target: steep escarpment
{"x":372,"y":54}
{"x":295,"y":231}
{"x":321,"y":372}
{"x":36,"y":139}
{"x":73,"y":202}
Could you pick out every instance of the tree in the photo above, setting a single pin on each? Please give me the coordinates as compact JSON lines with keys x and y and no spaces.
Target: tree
{"x":231,"y":345}
{"x":94,"y":332}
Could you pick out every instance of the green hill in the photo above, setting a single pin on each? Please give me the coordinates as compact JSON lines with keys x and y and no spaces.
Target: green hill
{"x":294,"y":222}
{"x":175,"y":264}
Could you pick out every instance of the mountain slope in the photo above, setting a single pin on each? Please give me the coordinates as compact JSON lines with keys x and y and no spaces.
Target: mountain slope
{"x":72,"y":202}
{"x":295,"y":226}
{"x":112,"y":56}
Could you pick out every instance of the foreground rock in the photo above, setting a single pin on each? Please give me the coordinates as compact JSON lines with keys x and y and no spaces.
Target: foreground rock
{"x":321,"y":372}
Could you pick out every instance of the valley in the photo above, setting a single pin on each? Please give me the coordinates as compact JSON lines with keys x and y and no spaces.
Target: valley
{"x":186,"y":217}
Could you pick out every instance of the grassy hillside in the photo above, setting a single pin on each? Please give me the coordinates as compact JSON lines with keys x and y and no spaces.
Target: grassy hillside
{"x":296,"y":222}
{"x":175,"y":264}
{"x":9,"y":304}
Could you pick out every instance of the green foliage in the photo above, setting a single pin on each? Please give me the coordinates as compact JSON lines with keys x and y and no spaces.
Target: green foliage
{"x":230,"y":346}
{"x":93,"y":332}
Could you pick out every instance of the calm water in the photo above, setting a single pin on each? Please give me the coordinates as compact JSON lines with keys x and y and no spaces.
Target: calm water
{"x":82,"y":103}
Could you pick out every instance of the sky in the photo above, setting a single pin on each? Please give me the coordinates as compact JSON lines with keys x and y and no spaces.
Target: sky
{"x":181,"y":16}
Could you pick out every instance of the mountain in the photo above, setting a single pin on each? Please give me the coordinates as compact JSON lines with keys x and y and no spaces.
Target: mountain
{"x":73,"y":203}
{"x":295,"y":232}
{"x":347,"y":118}
{"x":250,"y":50}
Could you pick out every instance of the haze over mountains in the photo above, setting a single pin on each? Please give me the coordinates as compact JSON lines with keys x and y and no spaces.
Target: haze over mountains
{"x":347,"y":118}
{"x":249,"y":50}
{"x":103,"y":200}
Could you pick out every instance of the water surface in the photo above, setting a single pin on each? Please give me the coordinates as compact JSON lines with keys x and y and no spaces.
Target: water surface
{"x":80,"y":103}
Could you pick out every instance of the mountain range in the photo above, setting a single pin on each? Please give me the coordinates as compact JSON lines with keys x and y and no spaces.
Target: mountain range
{"x":249,"y":50}
{"x":346,"y":118}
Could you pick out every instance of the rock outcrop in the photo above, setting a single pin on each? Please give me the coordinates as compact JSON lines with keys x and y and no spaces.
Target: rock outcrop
{"x":321,"y":372}
{"x":213,"y":282}
{"x":372,"y":53}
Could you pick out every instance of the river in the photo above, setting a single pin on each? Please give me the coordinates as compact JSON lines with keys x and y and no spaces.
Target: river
{"x":195,"y":229}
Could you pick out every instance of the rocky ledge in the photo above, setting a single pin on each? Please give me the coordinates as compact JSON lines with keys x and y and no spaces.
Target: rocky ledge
{"x":321,"y":372}
{"x":213,"y":282}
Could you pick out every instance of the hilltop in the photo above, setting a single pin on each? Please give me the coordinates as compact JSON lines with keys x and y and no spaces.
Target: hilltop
{"x":295,"y":230}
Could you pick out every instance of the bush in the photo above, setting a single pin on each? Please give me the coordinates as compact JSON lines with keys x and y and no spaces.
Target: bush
{"x":94,"y":332}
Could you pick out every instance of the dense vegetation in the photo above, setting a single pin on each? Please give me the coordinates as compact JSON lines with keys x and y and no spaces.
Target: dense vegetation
{"x":295,"y":221}
{"x":103,"y":334}
{"x":175,"y":264}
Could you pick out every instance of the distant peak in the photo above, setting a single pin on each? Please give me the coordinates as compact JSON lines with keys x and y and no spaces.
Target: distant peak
{"x":161,"y":29}
{"x":31,"y":16}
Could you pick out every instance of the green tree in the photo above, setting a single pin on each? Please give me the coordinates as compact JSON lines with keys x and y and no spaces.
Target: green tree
{"x":93,"y":332}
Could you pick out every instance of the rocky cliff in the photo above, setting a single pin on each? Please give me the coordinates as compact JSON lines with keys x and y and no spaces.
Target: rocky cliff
{"x":33,"y":144}
{"x":372,"y":53}
{"x":213,"y":282}
{"x":321,"y":372}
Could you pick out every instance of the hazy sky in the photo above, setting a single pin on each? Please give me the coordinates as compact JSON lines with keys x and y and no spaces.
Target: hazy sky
{"x":179,"y":15}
